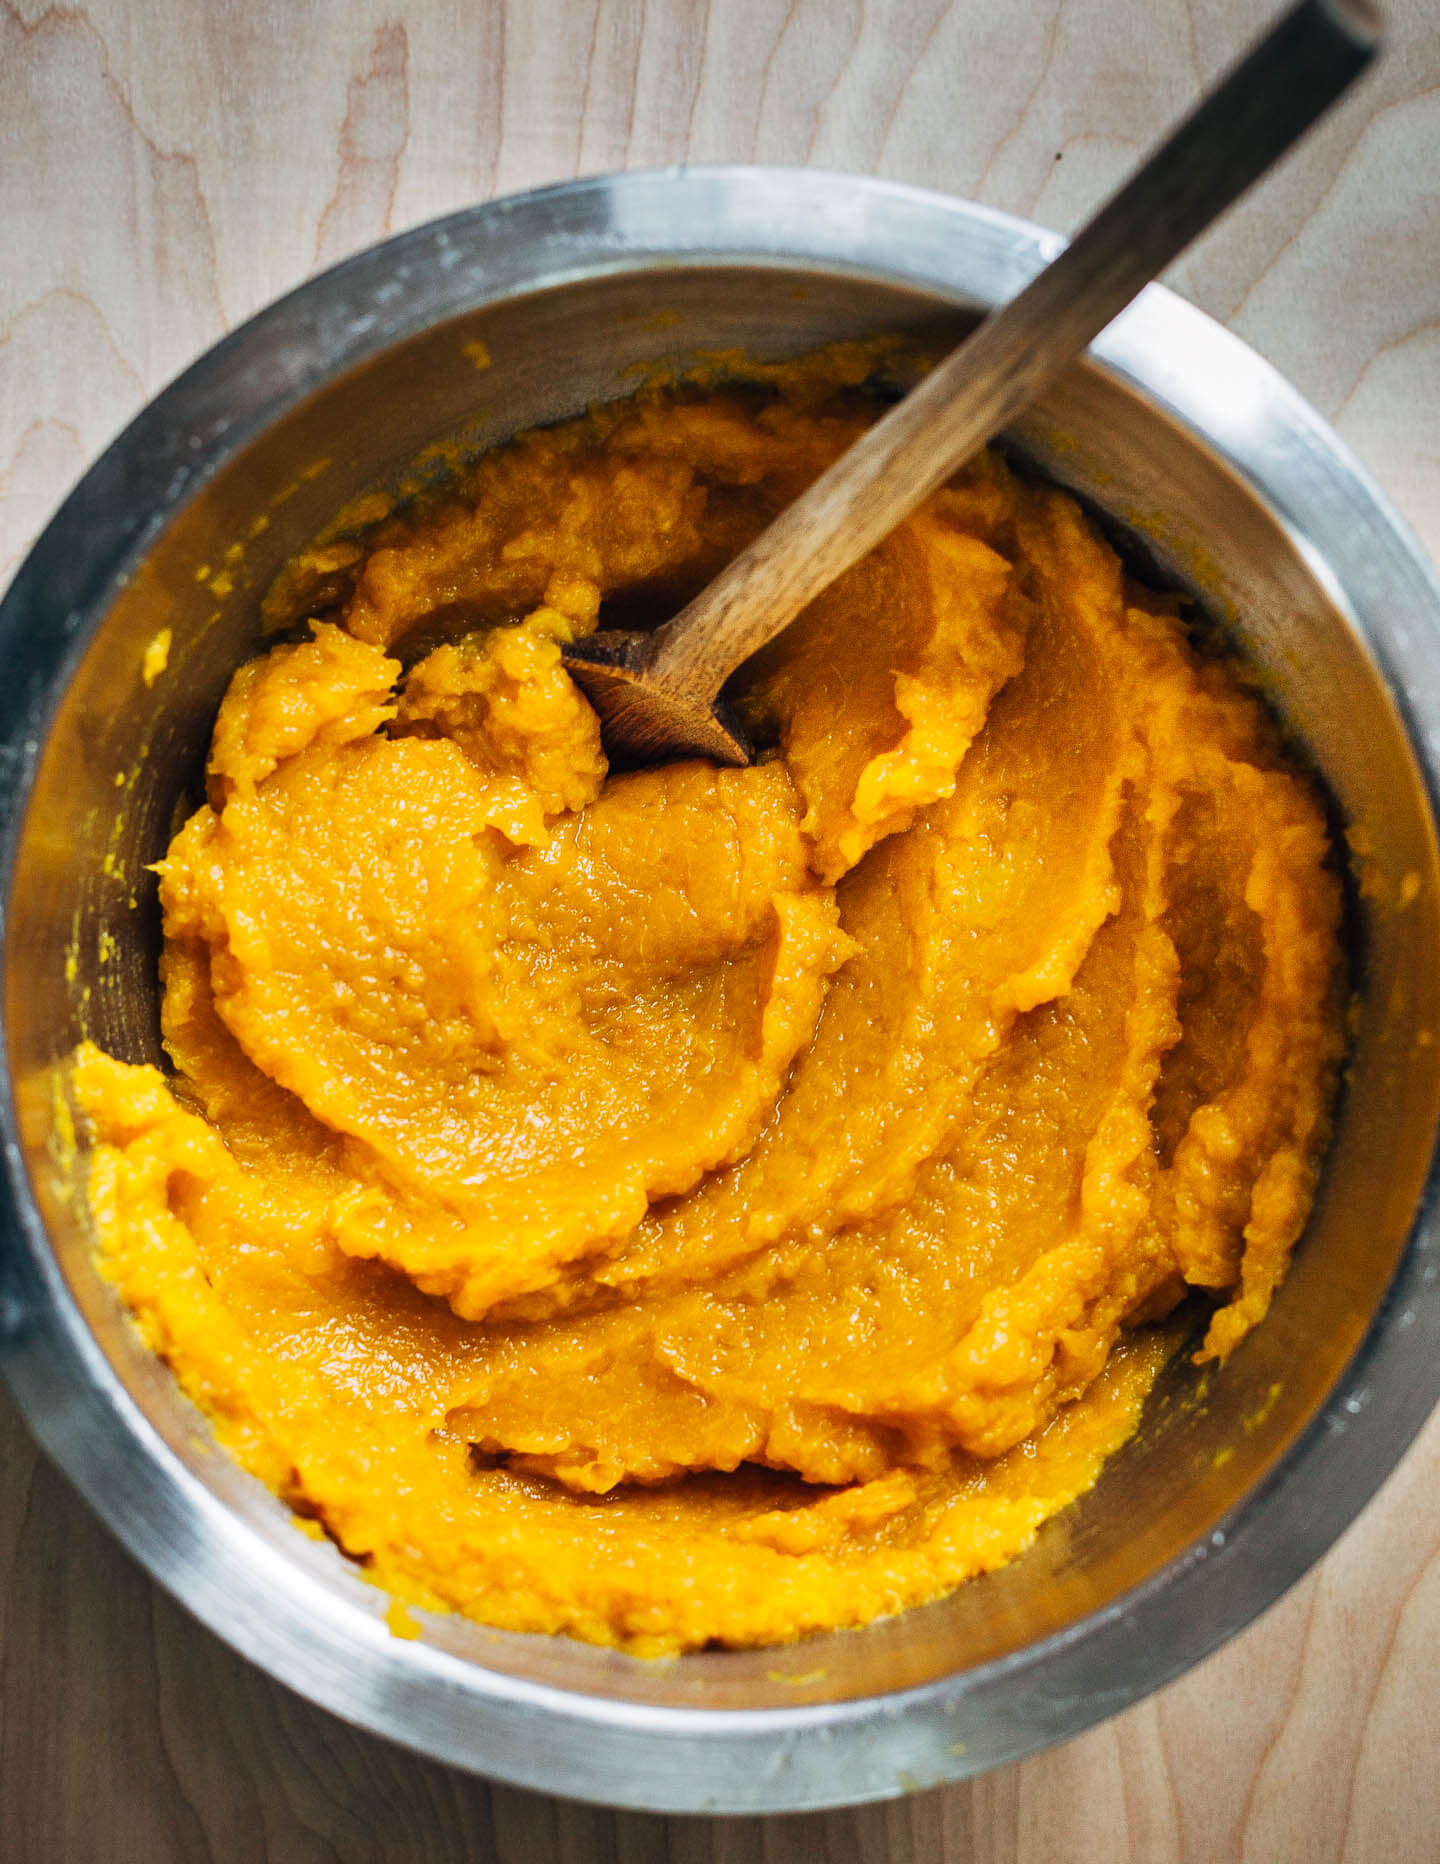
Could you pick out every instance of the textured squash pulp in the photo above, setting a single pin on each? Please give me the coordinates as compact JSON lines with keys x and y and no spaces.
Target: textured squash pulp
{"x":717,"y":1205}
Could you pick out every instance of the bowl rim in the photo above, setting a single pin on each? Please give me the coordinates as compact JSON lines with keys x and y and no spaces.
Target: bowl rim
{"x":533,"y":1734}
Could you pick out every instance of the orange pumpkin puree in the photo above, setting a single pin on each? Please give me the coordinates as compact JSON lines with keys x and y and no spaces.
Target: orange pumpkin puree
{"x":718,"y":1205}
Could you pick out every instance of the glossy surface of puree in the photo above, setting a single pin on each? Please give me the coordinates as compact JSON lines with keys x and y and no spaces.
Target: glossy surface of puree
{"x":717,"y":1205}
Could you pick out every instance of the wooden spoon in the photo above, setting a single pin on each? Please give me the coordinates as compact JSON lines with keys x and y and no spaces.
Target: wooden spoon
{"x":657,"y":693}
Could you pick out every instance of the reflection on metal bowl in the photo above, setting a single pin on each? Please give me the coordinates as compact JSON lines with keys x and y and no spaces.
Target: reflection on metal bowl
{"x":1191,"y":445}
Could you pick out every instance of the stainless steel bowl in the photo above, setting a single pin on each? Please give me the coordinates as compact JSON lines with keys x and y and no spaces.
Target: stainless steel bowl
{"x":1180,"y":433}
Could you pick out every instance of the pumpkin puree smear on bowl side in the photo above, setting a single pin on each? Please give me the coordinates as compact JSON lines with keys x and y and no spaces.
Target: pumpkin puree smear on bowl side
{"x":700,"y":1205}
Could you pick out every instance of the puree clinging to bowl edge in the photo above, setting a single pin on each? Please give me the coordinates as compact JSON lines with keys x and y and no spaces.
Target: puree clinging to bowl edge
{"x":702,"y":1205}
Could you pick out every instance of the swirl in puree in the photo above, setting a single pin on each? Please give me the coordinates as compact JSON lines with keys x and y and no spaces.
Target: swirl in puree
{"x":698,"y":1205}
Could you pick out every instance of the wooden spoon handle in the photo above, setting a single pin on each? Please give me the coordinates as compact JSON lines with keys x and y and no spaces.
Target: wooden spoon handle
{"x":1256,"y":113}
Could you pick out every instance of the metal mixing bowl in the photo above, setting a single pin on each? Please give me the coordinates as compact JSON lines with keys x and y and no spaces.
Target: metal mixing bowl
{"x":1177,"y":431}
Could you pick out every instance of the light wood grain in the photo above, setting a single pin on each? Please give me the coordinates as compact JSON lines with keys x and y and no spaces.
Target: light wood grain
{"x":167,"y":166}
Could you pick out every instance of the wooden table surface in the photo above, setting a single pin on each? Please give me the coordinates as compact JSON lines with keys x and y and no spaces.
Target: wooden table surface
{"x":166,"y":167}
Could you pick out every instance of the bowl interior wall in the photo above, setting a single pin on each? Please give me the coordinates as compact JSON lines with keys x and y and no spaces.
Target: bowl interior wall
{"x":123,"y":753}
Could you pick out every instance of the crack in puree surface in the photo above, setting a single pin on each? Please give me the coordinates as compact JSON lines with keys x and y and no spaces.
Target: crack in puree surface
{"x":707,"y":1205}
